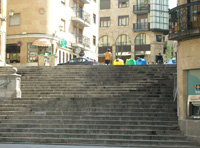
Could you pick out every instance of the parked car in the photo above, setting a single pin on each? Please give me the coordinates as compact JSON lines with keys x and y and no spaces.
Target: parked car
{"x":79,"y":61}
{"x":172,"y":61}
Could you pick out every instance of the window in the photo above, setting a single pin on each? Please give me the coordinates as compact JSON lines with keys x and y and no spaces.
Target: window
{"x":104,"y":4}
{"x":123,"y":20}
{"x":63,"y":2}
{"x":105,"y":22}
{"x":105,"y":41}
{"x":123,"y":40}
{"x":94,"y":40}
{"x":142,"y":39}
{"x":123,"y":3}
{"x":94,"y":18}
{"x":63,"y":25}
{"x":15,"y":20}
{"x":34,"y":51}
{"x":158,"y":38}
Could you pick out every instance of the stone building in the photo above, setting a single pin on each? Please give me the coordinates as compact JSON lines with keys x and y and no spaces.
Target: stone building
{"x":185,"y":28}
{"x":3,"y":14}
{"x":51,"y":27}
{"x":133,"y":28}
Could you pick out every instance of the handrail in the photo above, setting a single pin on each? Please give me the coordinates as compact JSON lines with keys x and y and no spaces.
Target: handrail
{"x":81,"y":14}
{"x":184,"y":17}
{"x":141,"y":26}
{"x":141,"y":7}
{"x":5,"y":84}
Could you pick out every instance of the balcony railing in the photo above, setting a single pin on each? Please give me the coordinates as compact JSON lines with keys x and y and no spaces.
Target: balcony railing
{"x":79,"y":39}
{"x":141,"y":26}
{"x":138,"y":9}
{"x":184,"y":21}
{"x":86,"y":1}
{"x":79,"y":13}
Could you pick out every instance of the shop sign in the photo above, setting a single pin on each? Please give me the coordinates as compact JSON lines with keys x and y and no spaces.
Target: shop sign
{"x":19,"y":43}
{"x":64,"y":44}
{"x":77,"y":50}
{"x":197,"y":91}
{"x":194,"y":98}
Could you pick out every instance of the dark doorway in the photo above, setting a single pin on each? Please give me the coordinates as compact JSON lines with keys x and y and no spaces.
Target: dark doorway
{"x":12,"y":53}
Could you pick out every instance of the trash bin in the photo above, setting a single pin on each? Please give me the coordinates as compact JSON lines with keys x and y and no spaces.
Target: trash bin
{"x":141,"y":62}
{"x":118,"y":62}
{"x":130,"y":62}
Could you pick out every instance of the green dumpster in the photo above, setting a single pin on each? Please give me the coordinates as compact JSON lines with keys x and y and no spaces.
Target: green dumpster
{"x":130,"y":62}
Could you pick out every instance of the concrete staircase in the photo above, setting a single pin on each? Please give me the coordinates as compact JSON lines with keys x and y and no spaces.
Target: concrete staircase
{"x":118,"y":106}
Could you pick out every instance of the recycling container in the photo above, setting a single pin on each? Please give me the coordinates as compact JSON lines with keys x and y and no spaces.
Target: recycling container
{"x":130,"y":62}
{"x":141,"y":62}
{"x":118,"y":62}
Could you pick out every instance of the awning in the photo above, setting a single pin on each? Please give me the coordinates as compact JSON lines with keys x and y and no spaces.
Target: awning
{"x":42,"y":43}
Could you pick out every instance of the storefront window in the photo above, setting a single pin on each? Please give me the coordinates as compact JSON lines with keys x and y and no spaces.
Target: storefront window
{"x":34,"y":51}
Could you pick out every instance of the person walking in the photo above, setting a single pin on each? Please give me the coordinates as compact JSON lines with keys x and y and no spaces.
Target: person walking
{"x":108,"y":57}
{"x":159,"y":59}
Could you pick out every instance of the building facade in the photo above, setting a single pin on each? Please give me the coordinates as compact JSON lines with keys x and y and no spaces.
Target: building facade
{"x":133,"y":28}
{"x":3,"y":14}
{"x":51,"y":27}
{"x":185,"y":28}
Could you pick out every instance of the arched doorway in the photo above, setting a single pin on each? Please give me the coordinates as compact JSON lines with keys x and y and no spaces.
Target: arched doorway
{"x":142,"y":47}
{"x":123,"y":47}
{"x":104,"y":43}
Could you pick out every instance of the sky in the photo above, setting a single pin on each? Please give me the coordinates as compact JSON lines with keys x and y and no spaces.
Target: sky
{"x":172,"y":3}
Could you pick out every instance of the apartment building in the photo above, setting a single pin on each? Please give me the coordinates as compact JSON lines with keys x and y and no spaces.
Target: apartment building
{"x":185,"y":28}
{"x":133,"y":28}
{"x":3,"y":14}
{"x":66,"y":28}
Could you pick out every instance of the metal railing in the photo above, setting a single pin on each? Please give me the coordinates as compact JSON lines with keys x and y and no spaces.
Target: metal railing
{"x":141,"y":26}
{"x":81,"y":39}
{"x":81,"y":14}
{"x":141,"y":8}
{"x":184,"y":17}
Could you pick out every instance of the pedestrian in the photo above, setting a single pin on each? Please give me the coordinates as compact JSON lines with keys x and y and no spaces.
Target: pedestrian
{"x":108,"y":57}
{"x":159,"y":59}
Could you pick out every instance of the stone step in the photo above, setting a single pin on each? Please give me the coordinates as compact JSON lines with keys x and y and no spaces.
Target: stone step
{"x":60,"y":115}
{"x":92,"y":131}
{"x":34,"y":120}
{"x":94,"y":136}
{"x":94,"y":95}
{"x":106,"y":142}
{"x":91,"y":126}
{"x":96,"y":92}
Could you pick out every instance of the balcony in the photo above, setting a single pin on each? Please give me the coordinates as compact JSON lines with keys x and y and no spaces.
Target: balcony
{"x":141,"y":27}
{"x":81,"y":41}
{"x":142,"y":9}
{"x":85,"y":1}
{"x":184,"y":21}
{"x":81,"y":17}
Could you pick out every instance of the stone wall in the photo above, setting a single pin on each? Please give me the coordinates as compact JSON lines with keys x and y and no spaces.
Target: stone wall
{"x":188,"y":59}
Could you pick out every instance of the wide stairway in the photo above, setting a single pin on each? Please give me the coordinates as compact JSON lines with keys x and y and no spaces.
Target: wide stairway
{"x":111,"y":106}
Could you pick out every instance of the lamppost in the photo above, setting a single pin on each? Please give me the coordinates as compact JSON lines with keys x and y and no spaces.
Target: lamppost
{"x":10,"y":13}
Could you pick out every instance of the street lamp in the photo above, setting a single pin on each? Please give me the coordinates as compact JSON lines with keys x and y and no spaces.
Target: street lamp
{"x":10,"y":13}
{"x":61,"y":27}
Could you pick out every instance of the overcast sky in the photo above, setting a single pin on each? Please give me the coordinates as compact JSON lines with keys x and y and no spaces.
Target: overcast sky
{"x":172,"y":3}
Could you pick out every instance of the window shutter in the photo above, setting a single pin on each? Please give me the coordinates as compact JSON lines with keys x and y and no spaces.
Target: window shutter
{"x":15,"y":20}
{"x":104,"y":4}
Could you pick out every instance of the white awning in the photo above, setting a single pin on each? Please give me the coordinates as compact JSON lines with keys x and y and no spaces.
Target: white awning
{"x":42,"y":42}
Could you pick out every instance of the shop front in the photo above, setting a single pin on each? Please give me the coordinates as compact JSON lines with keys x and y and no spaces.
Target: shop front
{"x":25,"y":51}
